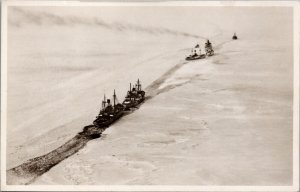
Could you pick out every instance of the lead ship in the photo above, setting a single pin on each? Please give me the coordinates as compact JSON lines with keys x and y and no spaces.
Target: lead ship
{"x":134,"y":96}
{"x":109,"y":113}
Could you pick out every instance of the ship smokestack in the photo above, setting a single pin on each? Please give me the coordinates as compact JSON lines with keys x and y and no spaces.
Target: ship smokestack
{"x":130,"y":87}
{"x":108,"y":101}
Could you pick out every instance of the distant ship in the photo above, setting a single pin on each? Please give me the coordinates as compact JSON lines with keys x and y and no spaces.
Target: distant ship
{"x":208,"y":48}
{"x":109,"y":113}
{"x":195,"y":54}
{"x":134,"y":96}
{"x":234,"y":37}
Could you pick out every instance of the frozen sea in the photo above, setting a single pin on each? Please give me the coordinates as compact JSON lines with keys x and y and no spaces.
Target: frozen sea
{"x":223,"y":120}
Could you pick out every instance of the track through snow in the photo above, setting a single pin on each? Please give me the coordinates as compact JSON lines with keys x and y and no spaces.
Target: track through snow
{"x":33,"y":168}
{"x":217,"y":121}
{"x":27,"y":172}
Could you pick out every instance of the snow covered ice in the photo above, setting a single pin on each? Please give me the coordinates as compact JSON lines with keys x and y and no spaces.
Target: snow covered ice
{"x":223,"y":120}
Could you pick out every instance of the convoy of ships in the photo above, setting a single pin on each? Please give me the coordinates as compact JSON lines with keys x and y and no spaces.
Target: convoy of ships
{"x":196,"y":52}
{"x":112,"y":111}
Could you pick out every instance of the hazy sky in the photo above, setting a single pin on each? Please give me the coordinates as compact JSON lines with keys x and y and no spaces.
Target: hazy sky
{"x":247,"y":20}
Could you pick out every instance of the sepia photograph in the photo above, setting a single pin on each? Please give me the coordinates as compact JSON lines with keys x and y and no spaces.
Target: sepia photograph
{"x":150,"y":96}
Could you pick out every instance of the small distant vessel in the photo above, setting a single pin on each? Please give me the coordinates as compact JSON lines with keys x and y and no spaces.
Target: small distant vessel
{"x":134,"y":96}
{"x":208,"y":48}
{"x":234,"y":37}
{"x":109,"y":113}
{"x":196,"y":54}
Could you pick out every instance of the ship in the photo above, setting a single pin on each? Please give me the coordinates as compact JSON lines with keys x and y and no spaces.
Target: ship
{"x":208,"y":49}
{"x":134,"y":97}
{"x":109,"y":113}
{"x":234,"y":37}
{"x":195,"y":54}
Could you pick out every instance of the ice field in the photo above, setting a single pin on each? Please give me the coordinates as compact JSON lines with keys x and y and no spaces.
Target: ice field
{"x":223,"y":120}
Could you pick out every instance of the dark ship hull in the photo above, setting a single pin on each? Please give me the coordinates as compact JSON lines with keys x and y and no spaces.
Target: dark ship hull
{"x":234,"y":37}
{"x":208,"y":49}
{"x":189,"y":58}
{"x":132,"y":104}
{"x":111,"y":113}
{"x":135,"y":96}
{"x":106,"y":122}
{"x":210,"y":53}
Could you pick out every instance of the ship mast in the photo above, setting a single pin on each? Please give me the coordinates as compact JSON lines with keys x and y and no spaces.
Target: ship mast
{"x":138,"y":84}
{"x":114,"y":97}
{"x":104,"y":102}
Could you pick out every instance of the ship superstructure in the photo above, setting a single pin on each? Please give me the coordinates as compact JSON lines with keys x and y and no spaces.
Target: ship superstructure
{"x":109,"y":112}
{"x":208,"y":48}
{"x":195,"y":53}
{"x":134,"y":96}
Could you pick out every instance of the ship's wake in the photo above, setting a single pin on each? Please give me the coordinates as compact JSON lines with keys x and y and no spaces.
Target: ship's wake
{"x":153,"y":88}
{"x":27,"y":172}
